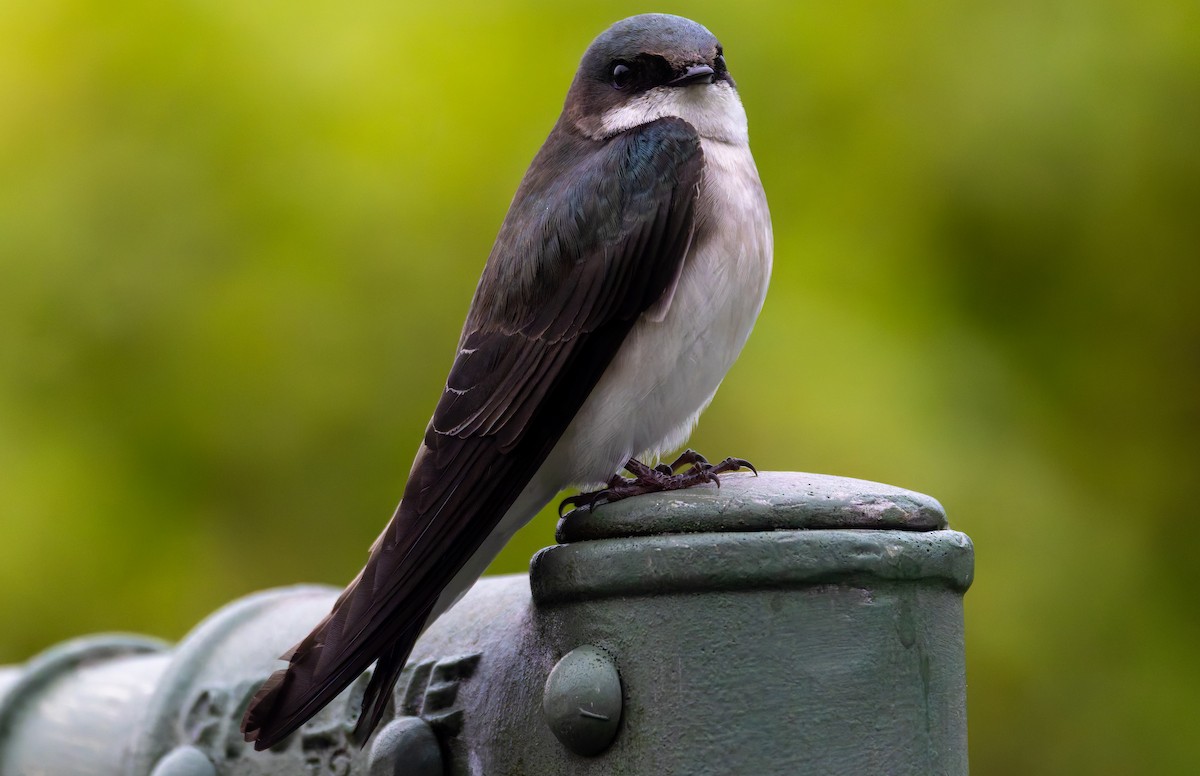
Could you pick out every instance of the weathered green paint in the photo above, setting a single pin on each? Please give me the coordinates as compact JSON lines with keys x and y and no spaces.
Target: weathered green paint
{"x":185,"y":761}
{"x":72,"y":708}
{"x":582,"y":700}
{"x":714,"y":562}
{"x":789,"y":623}
{"x":770,"y":501}
{"x":406,"y":746}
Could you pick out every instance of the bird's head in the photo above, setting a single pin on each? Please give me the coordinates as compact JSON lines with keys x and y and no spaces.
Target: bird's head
{"x":650,"y":66}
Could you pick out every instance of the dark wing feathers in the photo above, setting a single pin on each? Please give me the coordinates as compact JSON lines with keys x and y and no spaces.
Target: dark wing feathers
{"x":613,"y":222}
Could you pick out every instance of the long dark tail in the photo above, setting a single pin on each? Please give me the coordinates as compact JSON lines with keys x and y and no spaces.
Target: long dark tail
{"x":293,"y":695}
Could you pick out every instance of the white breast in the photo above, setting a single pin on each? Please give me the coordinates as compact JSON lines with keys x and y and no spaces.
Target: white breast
{"x":667,"y":371}
{"x":670,"y":365}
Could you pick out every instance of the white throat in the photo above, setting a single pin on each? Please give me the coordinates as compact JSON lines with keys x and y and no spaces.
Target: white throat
{"x":714,"y":110}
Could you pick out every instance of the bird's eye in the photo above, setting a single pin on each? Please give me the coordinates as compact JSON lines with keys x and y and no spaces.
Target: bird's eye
{"x":720,"y":63}
{"x":621,"y":75}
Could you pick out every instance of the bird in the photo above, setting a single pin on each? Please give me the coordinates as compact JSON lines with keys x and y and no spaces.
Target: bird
{"x":623,"y":283}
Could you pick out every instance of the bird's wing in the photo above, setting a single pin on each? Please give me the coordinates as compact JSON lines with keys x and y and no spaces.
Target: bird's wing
{"x":561,"y":291}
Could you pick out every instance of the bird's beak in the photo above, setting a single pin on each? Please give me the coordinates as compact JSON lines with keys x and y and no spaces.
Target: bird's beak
{"x":694,"y":74}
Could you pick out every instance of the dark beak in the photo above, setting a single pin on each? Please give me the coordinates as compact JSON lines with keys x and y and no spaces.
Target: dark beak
{"x":694,"y":74}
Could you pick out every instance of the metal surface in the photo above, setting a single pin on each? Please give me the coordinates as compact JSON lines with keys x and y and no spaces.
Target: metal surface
{"x":406,"y":746}
{"x":790,"y":623}
{"x":582,"y":700}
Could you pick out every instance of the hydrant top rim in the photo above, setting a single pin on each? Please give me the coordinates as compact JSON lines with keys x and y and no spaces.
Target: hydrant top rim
{"x":770,"y":501}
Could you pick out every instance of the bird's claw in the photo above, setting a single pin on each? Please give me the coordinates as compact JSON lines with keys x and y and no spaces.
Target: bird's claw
{"x":580,"y":500}
{"x":647,"y":479}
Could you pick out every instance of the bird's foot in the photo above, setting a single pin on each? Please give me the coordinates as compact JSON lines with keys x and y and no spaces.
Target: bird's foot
{"x":657,"y":479}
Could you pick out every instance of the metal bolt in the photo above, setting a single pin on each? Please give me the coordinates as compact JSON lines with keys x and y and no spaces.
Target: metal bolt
{"x":406,"y":746}
{"x":582,"y":700}
{"x":184,"y":761}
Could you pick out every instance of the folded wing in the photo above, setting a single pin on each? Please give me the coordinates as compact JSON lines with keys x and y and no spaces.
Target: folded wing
{"x":597,"y":233}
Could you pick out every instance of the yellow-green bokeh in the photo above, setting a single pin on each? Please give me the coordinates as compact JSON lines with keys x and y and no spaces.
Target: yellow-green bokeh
{"x":237,"y":241}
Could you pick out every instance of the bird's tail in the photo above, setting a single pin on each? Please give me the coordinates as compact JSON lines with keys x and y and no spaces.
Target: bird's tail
{"x":380,"y":615}
{"x":315,"y":674}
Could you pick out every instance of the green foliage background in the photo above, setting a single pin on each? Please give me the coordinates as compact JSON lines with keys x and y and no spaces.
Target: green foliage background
{"x":237,"y":241}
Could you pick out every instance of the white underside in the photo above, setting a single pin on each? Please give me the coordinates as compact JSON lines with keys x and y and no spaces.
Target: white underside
{"x":668,"y":370}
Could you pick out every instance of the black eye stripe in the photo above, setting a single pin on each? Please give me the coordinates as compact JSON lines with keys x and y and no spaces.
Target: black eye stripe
{"x":644,"y":71}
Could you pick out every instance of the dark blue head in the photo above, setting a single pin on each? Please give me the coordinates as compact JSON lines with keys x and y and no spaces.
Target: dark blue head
{"x":636,"y":65}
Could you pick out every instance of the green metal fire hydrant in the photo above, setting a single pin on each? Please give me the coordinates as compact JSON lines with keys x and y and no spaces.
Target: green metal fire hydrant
{"x":781,"y":624}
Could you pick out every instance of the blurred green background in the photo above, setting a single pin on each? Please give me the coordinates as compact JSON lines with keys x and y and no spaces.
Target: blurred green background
{"x":228,"y":231}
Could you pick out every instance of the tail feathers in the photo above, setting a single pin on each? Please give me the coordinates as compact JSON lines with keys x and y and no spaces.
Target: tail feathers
{"x":379,"y":689}
{"x":262,"y":708}
{"x":281,"y":706}
{"x":316,"y":674}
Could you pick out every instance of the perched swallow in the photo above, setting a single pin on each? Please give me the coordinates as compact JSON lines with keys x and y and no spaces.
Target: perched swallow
{"x":625,"y":279}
